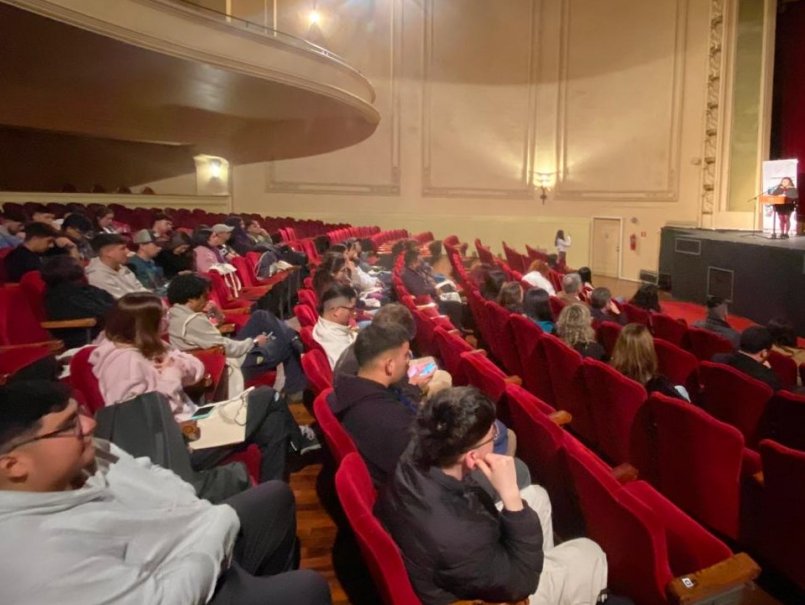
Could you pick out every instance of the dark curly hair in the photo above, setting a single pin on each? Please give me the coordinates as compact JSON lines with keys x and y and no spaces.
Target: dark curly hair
{"x":449,"y":424}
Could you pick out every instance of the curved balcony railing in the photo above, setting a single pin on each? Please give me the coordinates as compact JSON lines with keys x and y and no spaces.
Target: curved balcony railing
{"x":253,"y":26}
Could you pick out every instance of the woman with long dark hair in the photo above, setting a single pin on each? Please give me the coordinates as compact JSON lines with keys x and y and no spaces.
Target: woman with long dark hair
{"x":177,"y":256}
{"x":537,"y":307}
{"x":133,"y":360}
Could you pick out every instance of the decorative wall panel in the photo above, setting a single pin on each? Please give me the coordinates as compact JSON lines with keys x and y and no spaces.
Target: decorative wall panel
{"x":620,"y":99}
{"x":479,"y":90}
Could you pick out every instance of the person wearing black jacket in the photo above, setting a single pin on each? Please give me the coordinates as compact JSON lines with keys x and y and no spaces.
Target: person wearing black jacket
{"x":69,"y":296}
{"x":456,"y":543}
{"x":752,"y":356}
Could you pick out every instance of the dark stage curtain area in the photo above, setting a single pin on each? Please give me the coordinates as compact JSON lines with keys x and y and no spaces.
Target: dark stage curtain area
{"x":788,"y":124}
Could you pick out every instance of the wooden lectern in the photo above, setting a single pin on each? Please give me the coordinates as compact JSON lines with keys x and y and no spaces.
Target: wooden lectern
{"x":773,"y":200}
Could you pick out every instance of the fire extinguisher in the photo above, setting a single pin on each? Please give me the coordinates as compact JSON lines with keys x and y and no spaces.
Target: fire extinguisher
{"x":633,"y":242}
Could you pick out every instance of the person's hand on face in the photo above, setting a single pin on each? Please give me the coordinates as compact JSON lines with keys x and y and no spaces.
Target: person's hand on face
{"x":261,"y":340}
{"x":501,"y":473}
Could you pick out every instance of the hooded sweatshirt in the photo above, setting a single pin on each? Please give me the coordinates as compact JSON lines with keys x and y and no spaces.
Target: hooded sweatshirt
{"x":135,"y":533}
{"x":123,"y":373}
{"x":191,"y":330}
{"x":117,"y":283}
{"x":333,"y":338}
{"x":378,"y":421}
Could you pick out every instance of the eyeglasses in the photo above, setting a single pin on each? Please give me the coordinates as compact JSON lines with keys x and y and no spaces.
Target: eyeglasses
{"x":495,"y":435}
{"x":74,"y":428}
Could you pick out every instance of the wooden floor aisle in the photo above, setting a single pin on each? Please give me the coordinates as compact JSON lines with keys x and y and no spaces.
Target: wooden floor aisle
{"x":315,"y":529}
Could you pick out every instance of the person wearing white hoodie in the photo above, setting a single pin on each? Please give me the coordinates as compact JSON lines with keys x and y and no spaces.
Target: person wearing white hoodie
{"x":85,"y":523}
{"x":108,"y":270}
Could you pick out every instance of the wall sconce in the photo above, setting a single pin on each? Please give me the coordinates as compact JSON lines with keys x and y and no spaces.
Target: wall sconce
{"x":215,"y":169}
{"x":543,"y":181}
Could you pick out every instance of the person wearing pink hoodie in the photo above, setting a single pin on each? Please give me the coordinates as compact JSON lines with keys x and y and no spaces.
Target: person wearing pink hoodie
{"x":133,"y":360}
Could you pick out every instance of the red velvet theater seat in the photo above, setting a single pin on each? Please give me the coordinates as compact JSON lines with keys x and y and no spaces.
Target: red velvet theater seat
{"x":678,"y":365}
{"x":734,"y":397}
{"x":704,"y":343}
{"x":338,"y":440}
{"x":614,"y":401}
{"x":648,"y":541}
{"x":318,"y":371}
{"x":567,"y":383}
{"x":781,"y":525}
{"x":698,"y":462}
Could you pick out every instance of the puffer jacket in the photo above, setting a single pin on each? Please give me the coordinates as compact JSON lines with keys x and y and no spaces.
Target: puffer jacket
{"x":455,"y":543}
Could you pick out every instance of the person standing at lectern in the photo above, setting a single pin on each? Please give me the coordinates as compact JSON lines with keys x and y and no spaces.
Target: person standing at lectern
{"x":786,"y":188}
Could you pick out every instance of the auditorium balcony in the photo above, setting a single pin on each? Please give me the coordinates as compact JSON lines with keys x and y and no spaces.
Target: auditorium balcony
{"x":164,"y":80}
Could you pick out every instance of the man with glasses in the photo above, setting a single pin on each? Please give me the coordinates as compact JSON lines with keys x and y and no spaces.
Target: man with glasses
{"x":457,"y":543}
{"x":334,"y":331}
{"x":84,"y":522}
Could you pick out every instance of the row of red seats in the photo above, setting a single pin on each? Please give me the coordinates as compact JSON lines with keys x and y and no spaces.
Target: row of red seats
{"x":613,"y":414}
{"x":344,"y":233}
{"x":671,"y":543}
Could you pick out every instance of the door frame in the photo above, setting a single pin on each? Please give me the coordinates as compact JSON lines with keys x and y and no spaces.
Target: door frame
{"x":620,"y":240}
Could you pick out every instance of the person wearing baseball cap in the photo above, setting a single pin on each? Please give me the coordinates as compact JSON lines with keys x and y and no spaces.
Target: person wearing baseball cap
{"x":147,"y":272}
{"x":224,"y":232}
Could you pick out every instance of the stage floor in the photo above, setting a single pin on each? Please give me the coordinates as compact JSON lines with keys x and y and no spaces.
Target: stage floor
{"x":753,"y":238}
{"x":761,"y":278}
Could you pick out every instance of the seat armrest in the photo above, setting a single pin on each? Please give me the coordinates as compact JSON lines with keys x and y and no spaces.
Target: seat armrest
{"x":211,"y":350}
{"x":88,"y":322}
{"x":479,"y":602}
{"x":478,"y":352}
{"x":561,"y":417}
{"x":625,"y":473}
{"x":54,"y":346}
{"x":513,"y":380}
{"x":226,"y":328}
{"x":727,"y":576}
{"x":237,"y":311}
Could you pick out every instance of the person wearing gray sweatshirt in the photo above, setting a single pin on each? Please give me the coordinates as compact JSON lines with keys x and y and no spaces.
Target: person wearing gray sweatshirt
{"x":83,"y":522}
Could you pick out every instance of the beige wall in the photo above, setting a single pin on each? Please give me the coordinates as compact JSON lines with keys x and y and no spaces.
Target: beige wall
{"x":476,"y":96}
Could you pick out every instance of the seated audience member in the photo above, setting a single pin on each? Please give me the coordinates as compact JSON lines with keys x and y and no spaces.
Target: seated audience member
{"x":69,"y":296}
{"x":456,"y":542}
{"x":176,"y":256}
{"x":104,"y":220}
{"x":108,"y":270}
{"x":752,"y":356}
{"x":647,"y":297}
{"x":332,"y":271}
{"x":239,"y":240}
{"x":603,"y":308}
{"x":493,"y":282}
{"x":571,"y":285}
{"x":133,"y":360}
{"x":537,"y":307}
{"x":11,"y":229}
{"x":419,"y":282}
{"x":575,"y":327}
{"x":634,"y":357}
{"x":510,"y":297}
{"x":376,"y":417}
{"x":333,"y":330}
{"x":784,"y":339}
{"x":537,"y":276}
{"x":224,"y":233}
{"x":93,"y":519}
{"x":716,"y":320}
{"x":78,"y":229}
{"x":414,"y":388}
{"x":162,"y":227}
{"x":142,"y":264}
{"x":40,"y":214}
{"x":439,"y":261}
{"x":206,"y":250}
{"x":256,"y":233}
{"x":553,"y":261}
{"x":40,"y":240}
{"x":375,"y":412}
{"x":261,"y":345}
{"x":361,"y":280}
{"x":587,"y":287}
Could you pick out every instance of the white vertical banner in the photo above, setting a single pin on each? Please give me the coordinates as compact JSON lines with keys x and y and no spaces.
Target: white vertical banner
{"x":774,"y":172}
